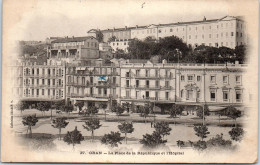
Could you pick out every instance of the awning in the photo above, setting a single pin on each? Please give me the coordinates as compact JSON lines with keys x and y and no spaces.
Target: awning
{"x":216,"y":108}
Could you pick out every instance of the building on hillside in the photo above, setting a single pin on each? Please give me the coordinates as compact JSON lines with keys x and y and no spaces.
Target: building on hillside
{"x":78,"y":48}
{"x":120,"y":45}
{"x":228,"y":31}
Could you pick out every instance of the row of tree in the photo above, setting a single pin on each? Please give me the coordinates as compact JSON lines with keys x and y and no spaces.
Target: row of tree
{"x":153,"y":140}
{"x":174,"y":49}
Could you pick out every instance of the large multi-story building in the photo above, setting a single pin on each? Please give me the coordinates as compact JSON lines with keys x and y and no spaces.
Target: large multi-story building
{"x":33,"y":82}
{"x":120,"y":45}
{"x":93,"y":84}
{"x":227,"y":31}
{"x":78,"y":48}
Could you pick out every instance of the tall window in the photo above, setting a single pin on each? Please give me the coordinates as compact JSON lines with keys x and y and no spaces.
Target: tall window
{"x":212,"y":95}
{"x":182,"y":78}
{"x":42,"y":91}
{"x":127,"y":83}
{"x":137,"y":83}
{"x":198,"y":78}
{"x":225,"y":95}
{"x":99,"y":91}
{"x":166,"y":84}
{"x":167,"y":95}
{"x":157,"y":83}
{"x":238,"y":96}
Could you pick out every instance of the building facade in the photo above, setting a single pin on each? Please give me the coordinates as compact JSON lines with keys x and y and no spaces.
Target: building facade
{"x":34,"y":82}
{"x":228,"y":31}
{"x":120,"y":45}
{"x":135,"y":83}
{"x":81,"y":48}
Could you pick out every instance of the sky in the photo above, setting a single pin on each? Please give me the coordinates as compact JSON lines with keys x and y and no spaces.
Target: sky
{"x":74,"y":18}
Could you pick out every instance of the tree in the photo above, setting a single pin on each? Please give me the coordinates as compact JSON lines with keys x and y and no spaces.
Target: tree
{"x":91,"y":110}
{"x":112,"y":139}
{"x":152,"y":140}
{"x":240,"y":52}
{"x":126,"y":128}
{"x":92,"y":125}
{"x":59,"y":105}
{"x":111,"y":39}
{"x":201,"y":131}
{"x":22,"y":105}
{"x":80,"y":105}
{"x":59,"y":123}
{"x":118,"y":109}
{"x":68,"y":108}
{"x":233,"y":113}
{"x":218,"y":141}
{"x":104,"y":106}
{"x":29,"y":121}
{"x":73,"y":137}
{"x":176,"y":110}
{"x":236,"y":133}
{"x":145,"y":110}
{"x":200,"y":145}
{"x":162,"y":128}
{"x":126,"y":106}
{"x":44,"y":106}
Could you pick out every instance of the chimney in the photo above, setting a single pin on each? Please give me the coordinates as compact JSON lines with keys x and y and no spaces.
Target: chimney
{"x":125,"y":27}
{"x":204,"y":19}
{"x":136,"y":26}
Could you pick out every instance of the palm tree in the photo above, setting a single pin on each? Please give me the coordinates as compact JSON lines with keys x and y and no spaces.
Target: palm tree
{"x":60,"y":123}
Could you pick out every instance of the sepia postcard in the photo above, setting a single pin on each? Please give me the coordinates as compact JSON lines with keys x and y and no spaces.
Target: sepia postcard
{"x":137,"y":81}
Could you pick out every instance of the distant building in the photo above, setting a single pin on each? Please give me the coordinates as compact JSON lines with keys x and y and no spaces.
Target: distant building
{"x":228,"y":31}
{"x":120,"y":45}
{"x":78,"y":48}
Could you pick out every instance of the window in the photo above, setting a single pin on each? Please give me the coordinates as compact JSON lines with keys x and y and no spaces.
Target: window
{"x":189,"y":94}
{"x":105,"y":91}
{"x":213,"y":79}
{"x":156,"y":73}
{"x":198,"y":78}
{"x":170,"y":30}
{"x":190,"y":78}
{"x":49,"y":92}
{"x":238,"y":80}
{"x":225,"y":79}
{"x":225,"y":95}
{"x":241,"y":35}
{"x":147,"y":83}
{"x":127,"y":74}
{"x":127,"y":83}
{"x":42,"y":81}
{"x":42,"y":91}
{"x":127,"y":93}
{"x":238,"y":96}
{"x":32,"y":81}
{"x":167,"y":84}
{"x":167,"y":95}
{"x":137,"y":83}
{"x":37,"y":92}
{"x":182,"y":78}
{"x":212,"y":95}
{"x":147,"y":73}
{"x":137,"y":72}
{"x":99,"y":91}
{"x":32,"y":92}
{"x":232,"y":34}
{"x":157,"y":83}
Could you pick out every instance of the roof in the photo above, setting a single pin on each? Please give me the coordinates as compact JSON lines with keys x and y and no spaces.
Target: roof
{"x":176,"y":23}
{"x":73,"y":39}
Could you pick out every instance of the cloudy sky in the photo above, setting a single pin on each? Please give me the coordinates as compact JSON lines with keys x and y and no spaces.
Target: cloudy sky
{"x":74,"y":18}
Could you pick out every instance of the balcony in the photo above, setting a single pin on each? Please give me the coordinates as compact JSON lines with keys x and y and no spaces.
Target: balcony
{"x":147,"y":87}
